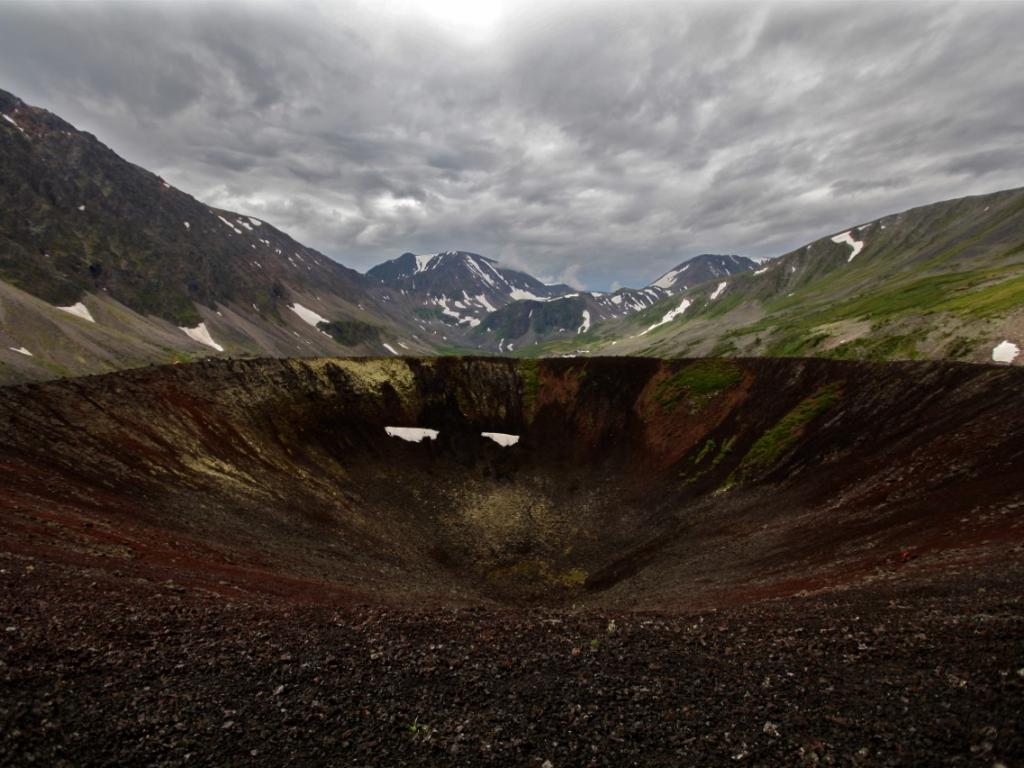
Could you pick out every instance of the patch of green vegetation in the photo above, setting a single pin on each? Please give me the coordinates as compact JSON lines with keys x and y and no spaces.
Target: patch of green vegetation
{"x":780,"y":438}
{"x":370,"y":376}
{"x":710,"y":447}
{"x":959,"y":348}
{"x":793,"y":322}
{"x":536,"y":570}
{"x":416,"y":728}
{"x":574,"y":577}
{"x":699,"y":383}
{"x":723,"y":347}
{"x":728,"y":485}
{"x":350,"y":333}
{"x":988,"y":301}
{"x":178,"y":356}
{"x":433,"y":313}
{"x":455,"y":350}
{"x":724,"y":451}
{"x":707,"y":448}
{"x":903,"y":347}
{"x":725,"y":304}
{"x":529,"y":378}
{"x":796,"y":345}
{"x":685,"y":349}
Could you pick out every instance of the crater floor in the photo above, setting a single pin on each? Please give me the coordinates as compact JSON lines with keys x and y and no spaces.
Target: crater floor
{"x":657,"y":563}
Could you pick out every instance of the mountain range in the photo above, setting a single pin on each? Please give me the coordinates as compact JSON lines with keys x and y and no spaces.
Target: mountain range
{"x":104,"y":265}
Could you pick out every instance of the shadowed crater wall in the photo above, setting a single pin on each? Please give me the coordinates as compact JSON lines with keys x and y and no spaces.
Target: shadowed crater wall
{"x":635,"y":482}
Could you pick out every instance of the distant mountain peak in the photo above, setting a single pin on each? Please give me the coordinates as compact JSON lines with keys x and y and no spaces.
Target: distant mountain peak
{"x":701,"y":269}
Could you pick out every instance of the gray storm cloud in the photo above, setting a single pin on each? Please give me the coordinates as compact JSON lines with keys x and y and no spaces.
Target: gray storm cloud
{"x":590,"y":142}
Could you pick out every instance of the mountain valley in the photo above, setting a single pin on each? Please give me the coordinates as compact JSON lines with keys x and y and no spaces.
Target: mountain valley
{"x":105,"y":266}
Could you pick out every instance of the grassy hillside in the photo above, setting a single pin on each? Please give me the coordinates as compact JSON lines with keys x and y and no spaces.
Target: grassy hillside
{"x":141,"y":261}
{"x":940,"y":281}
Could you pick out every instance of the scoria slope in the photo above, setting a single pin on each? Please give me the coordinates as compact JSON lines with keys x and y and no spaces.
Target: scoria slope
{"x":633,"y":481}
{"x":779,"y":562}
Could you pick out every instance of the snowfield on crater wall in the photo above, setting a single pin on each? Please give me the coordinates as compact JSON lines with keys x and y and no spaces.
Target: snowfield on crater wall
{"x":501,"y":438}
{"x":1005,"y":352}
{"x":412,"y":434}
{"x":718,"y":291}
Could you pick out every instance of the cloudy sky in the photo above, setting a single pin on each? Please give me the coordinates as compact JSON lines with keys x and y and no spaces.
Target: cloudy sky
{"x":593,"y":142}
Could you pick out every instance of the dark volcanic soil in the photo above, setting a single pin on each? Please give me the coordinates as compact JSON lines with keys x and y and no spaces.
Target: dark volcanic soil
{"x":97,"y":671}
{"x":760,"y":562}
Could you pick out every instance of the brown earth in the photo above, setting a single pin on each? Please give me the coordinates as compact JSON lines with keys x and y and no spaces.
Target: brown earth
{"x":774,"y":561}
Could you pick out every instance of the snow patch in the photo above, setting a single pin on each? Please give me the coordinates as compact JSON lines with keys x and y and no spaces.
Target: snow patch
{"x":718,"y":291}
{"x":187,"y":225}
{"x":518,"y":294}
{"x":471,"y":263}
{"x":667,"y":280}
{"x":21,"y":351}
{"x":230,"y":226}
{"x":78,"y":310}
{"x":308,"y":315}
{"x":501,"y":438}
{"x":856,"y":245}
{"x":389,"y":348}
{"x":422,"y":262}
{"x":202,"y":335}
{"x":81,"y":207}
{"x":1005,"y":352}
{"x":670,"y":316}
{"x":585,"y":325}
{"x":412,"y":434}
{"x":10,"y":120}
{"x":482,"y":300}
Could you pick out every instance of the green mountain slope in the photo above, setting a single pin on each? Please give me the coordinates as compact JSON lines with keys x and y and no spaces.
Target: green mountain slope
{"x":940,"y":281}
{"x":153,"y":274}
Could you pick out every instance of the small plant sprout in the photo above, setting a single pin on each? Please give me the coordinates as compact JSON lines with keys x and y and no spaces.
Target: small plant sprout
{"x":416,"y":728}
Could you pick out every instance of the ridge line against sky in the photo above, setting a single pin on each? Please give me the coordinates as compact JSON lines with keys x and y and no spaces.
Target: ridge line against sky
{"x":591,"y":143}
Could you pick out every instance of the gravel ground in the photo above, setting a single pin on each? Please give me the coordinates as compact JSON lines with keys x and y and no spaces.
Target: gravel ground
{"x":100,"y":671}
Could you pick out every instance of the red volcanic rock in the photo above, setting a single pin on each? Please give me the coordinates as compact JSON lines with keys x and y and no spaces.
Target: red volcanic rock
{"x":679,"y":562}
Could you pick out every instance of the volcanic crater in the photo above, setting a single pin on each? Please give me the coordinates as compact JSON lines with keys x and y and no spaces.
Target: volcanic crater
{"x":634,"y":482}
{"x":695,"y":560}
